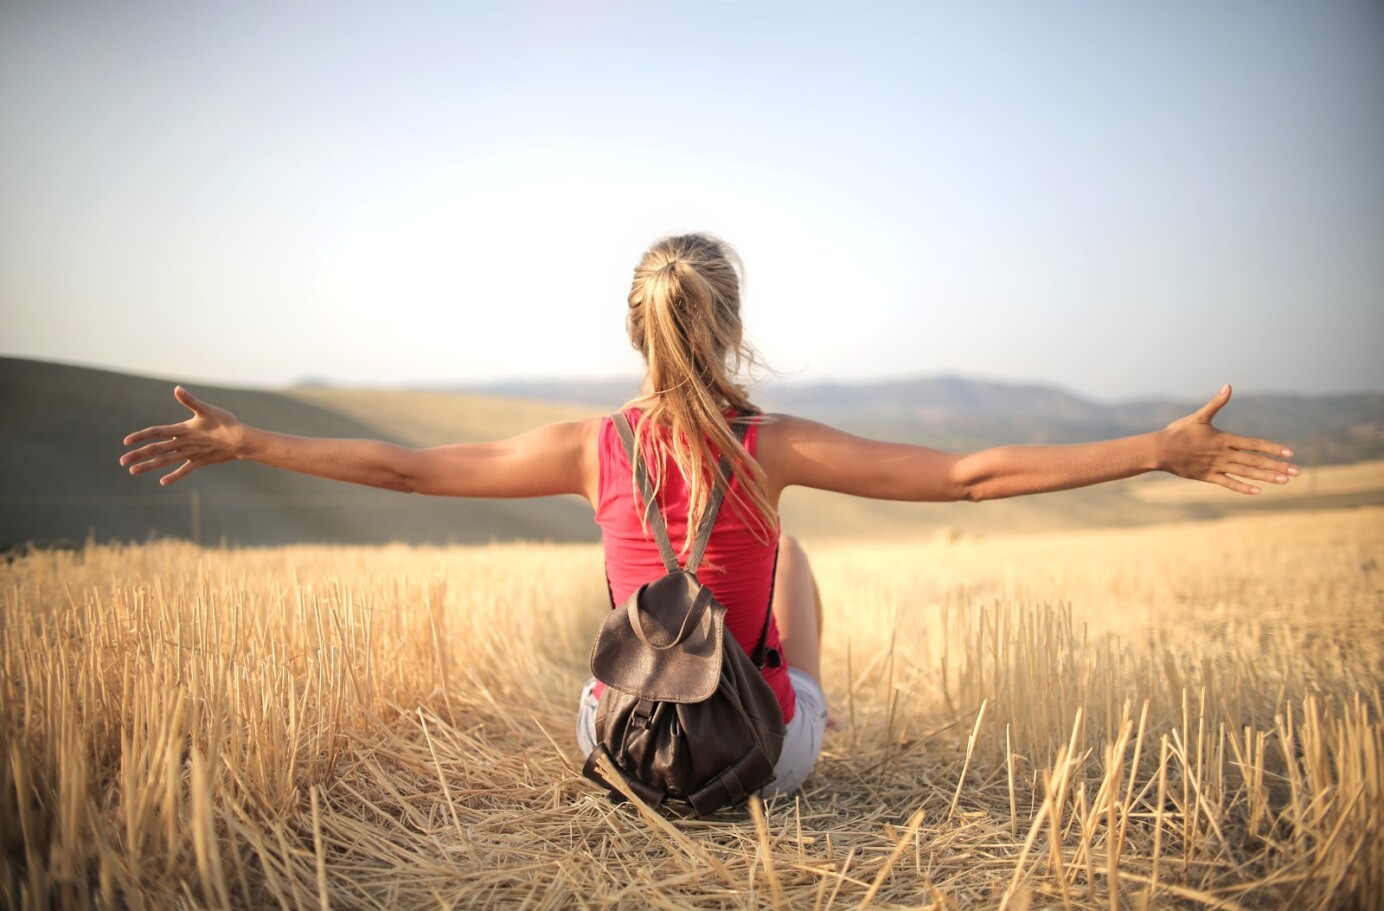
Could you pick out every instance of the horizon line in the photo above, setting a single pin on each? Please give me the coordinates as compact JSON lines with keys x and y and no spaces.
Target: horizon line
{"x":476,"y":385}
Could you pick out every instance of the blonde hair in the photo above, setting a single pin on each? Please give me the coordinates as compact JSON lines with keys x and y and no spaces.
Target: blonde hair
{"x":684,"y":318}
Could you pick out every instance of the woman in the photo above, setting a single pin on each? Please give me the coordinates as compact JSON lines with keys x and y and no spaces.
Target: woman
{"x":684,"y":318}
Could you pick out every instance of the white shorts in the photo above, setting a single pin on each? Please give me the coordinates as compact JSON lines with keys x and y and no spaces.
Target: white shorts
{"x":801,"y":743}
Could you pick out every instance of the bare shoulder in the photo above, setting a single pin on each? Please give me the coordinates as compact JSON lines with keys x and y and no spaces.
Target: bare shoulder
{"x":777,"y":431}
{"x":795,"y":451}
{"x":586,"y":435}
{"x":568,"y":435}
{"x":557,"y":458}
{"x":589,"y":429}
{"x":786,"y":441}
{"x":784,"y":433}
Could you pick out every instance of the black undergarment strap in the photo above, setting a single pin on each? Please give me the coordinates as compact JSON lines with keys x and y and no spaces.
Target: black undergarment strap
{"x":759,"y":654}
{"x":655,"y":516}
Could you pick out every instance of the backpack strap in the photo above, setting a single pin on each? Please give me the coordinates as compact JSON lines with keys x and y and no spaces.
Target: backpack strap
{"x":713,"y":506}
{"x":655,"y":515}
{"x":646,"y":490}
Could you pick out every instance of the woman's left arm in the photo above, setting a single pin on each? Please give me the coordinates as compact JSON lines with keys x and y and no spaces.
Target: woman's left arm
{"x":1189,"y":447}
{"x":805,"y":453}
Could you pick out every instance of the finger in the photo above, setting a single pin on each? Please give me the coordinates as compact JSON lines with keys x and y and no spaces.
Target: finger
{"x":178,"y":474}
{"x":150,"y":433}
{"x":1254,"y":444}
{"x":158,"y":462}
{"x":1234,"y":484}
{"x":1260,"y":460}
{"x":144,"y":452}
{"x":1208,"y":411}
{"x":1255,"y":460}
{"x":194,"y":404}
{"x":1259,"y":474}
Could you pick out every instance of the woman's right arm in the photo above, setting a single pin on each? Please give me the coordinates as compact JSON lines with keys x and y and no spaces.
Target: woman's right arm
{"x":794,"y":451}
{"x":555,"y":459}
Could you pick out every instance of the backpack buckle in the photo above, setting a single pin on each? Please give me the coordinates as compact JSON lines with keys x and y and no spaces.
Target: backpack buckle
{"x":643,"y":714}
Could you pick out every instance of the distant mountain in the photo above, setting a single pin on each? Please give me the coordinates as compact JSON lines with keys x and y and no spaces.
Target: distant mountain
{"x":938,"y":395}
{"x":955,"y":413}
{"x":608,"y":393}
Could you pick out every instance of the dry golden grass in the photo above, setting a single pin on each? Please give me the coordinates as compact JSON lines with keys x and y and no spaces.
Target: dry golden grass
{"x":1179,"y":716}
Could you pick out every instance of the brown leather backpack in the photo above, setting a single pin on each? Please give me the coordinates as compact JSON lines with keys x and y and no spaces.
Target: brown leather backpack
{"x":686,"y":715}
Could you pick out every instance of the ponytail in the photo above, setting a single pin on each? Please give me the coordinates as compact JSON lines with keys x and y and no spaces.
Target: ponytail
{"x":684,"y":317}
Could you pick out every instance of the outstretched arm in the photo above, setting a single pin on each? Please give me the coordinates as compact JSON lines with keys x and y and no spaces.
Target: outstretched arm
{"x":813,"y":455}
{"x":547,"y":461}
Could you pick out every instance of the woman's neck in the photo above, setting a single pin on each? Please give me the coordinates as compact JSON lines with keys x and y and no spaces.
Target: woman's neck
{"x":648,"y":395}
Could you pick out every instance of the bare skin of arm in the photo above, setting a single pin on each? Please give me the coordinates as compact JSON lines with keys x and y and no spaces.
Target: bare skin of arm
{"x":555,"y":459}
{"x":794,"y":451}
{"x":561,"y":459}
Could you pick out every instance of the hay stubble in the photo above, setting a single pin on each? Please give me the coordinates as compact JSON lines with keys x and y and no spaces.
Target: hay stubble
{"x":1185,"y":716}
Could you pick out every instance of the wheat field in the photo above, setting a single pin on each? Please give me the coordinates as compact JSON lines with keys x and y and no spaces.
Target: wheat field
{"x":1181,"y":716}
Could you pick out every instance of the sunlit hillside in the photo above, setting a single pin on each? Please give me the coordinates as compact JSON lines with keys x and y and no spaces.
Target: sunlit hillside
{"x":1182,"y":716}
{"x":61,"y":428}
{"x":60,"y":483}
{"x":430,"y":418}
{"x":426,"y":418}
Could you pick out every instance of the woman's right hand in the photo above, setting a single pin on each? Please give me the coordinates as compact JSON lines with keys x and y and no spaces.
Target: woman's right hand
{"x":211,"y":436}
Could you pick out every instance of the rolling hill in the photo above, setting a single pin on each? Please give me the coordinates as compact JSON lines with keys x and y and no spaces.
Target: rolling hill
{"x":61,"y":427}
{"x":60,"y":439}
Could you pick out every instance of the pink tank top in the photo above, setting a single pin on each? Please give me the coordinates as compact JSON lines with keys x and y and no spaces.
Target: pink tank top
{"x":738,"y":567}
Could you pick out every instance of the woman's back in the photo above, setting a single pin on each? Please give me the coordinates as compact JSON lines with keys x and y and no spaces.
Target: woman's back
{"x":739,"y":562}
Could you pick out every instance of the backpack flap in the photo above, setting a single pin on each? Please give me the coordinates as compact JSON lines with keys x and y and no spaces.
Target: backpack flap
{"x":664,"y":643}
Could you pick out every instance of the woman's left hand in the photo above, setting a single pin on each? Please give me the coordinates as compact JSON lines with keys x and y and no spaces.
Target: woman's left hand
{"x":1191,"y":448}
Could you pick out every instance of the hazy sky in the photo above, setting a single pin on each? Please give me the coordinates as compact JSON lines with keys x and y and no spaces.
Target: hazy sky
{"x":1119,"y":198}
